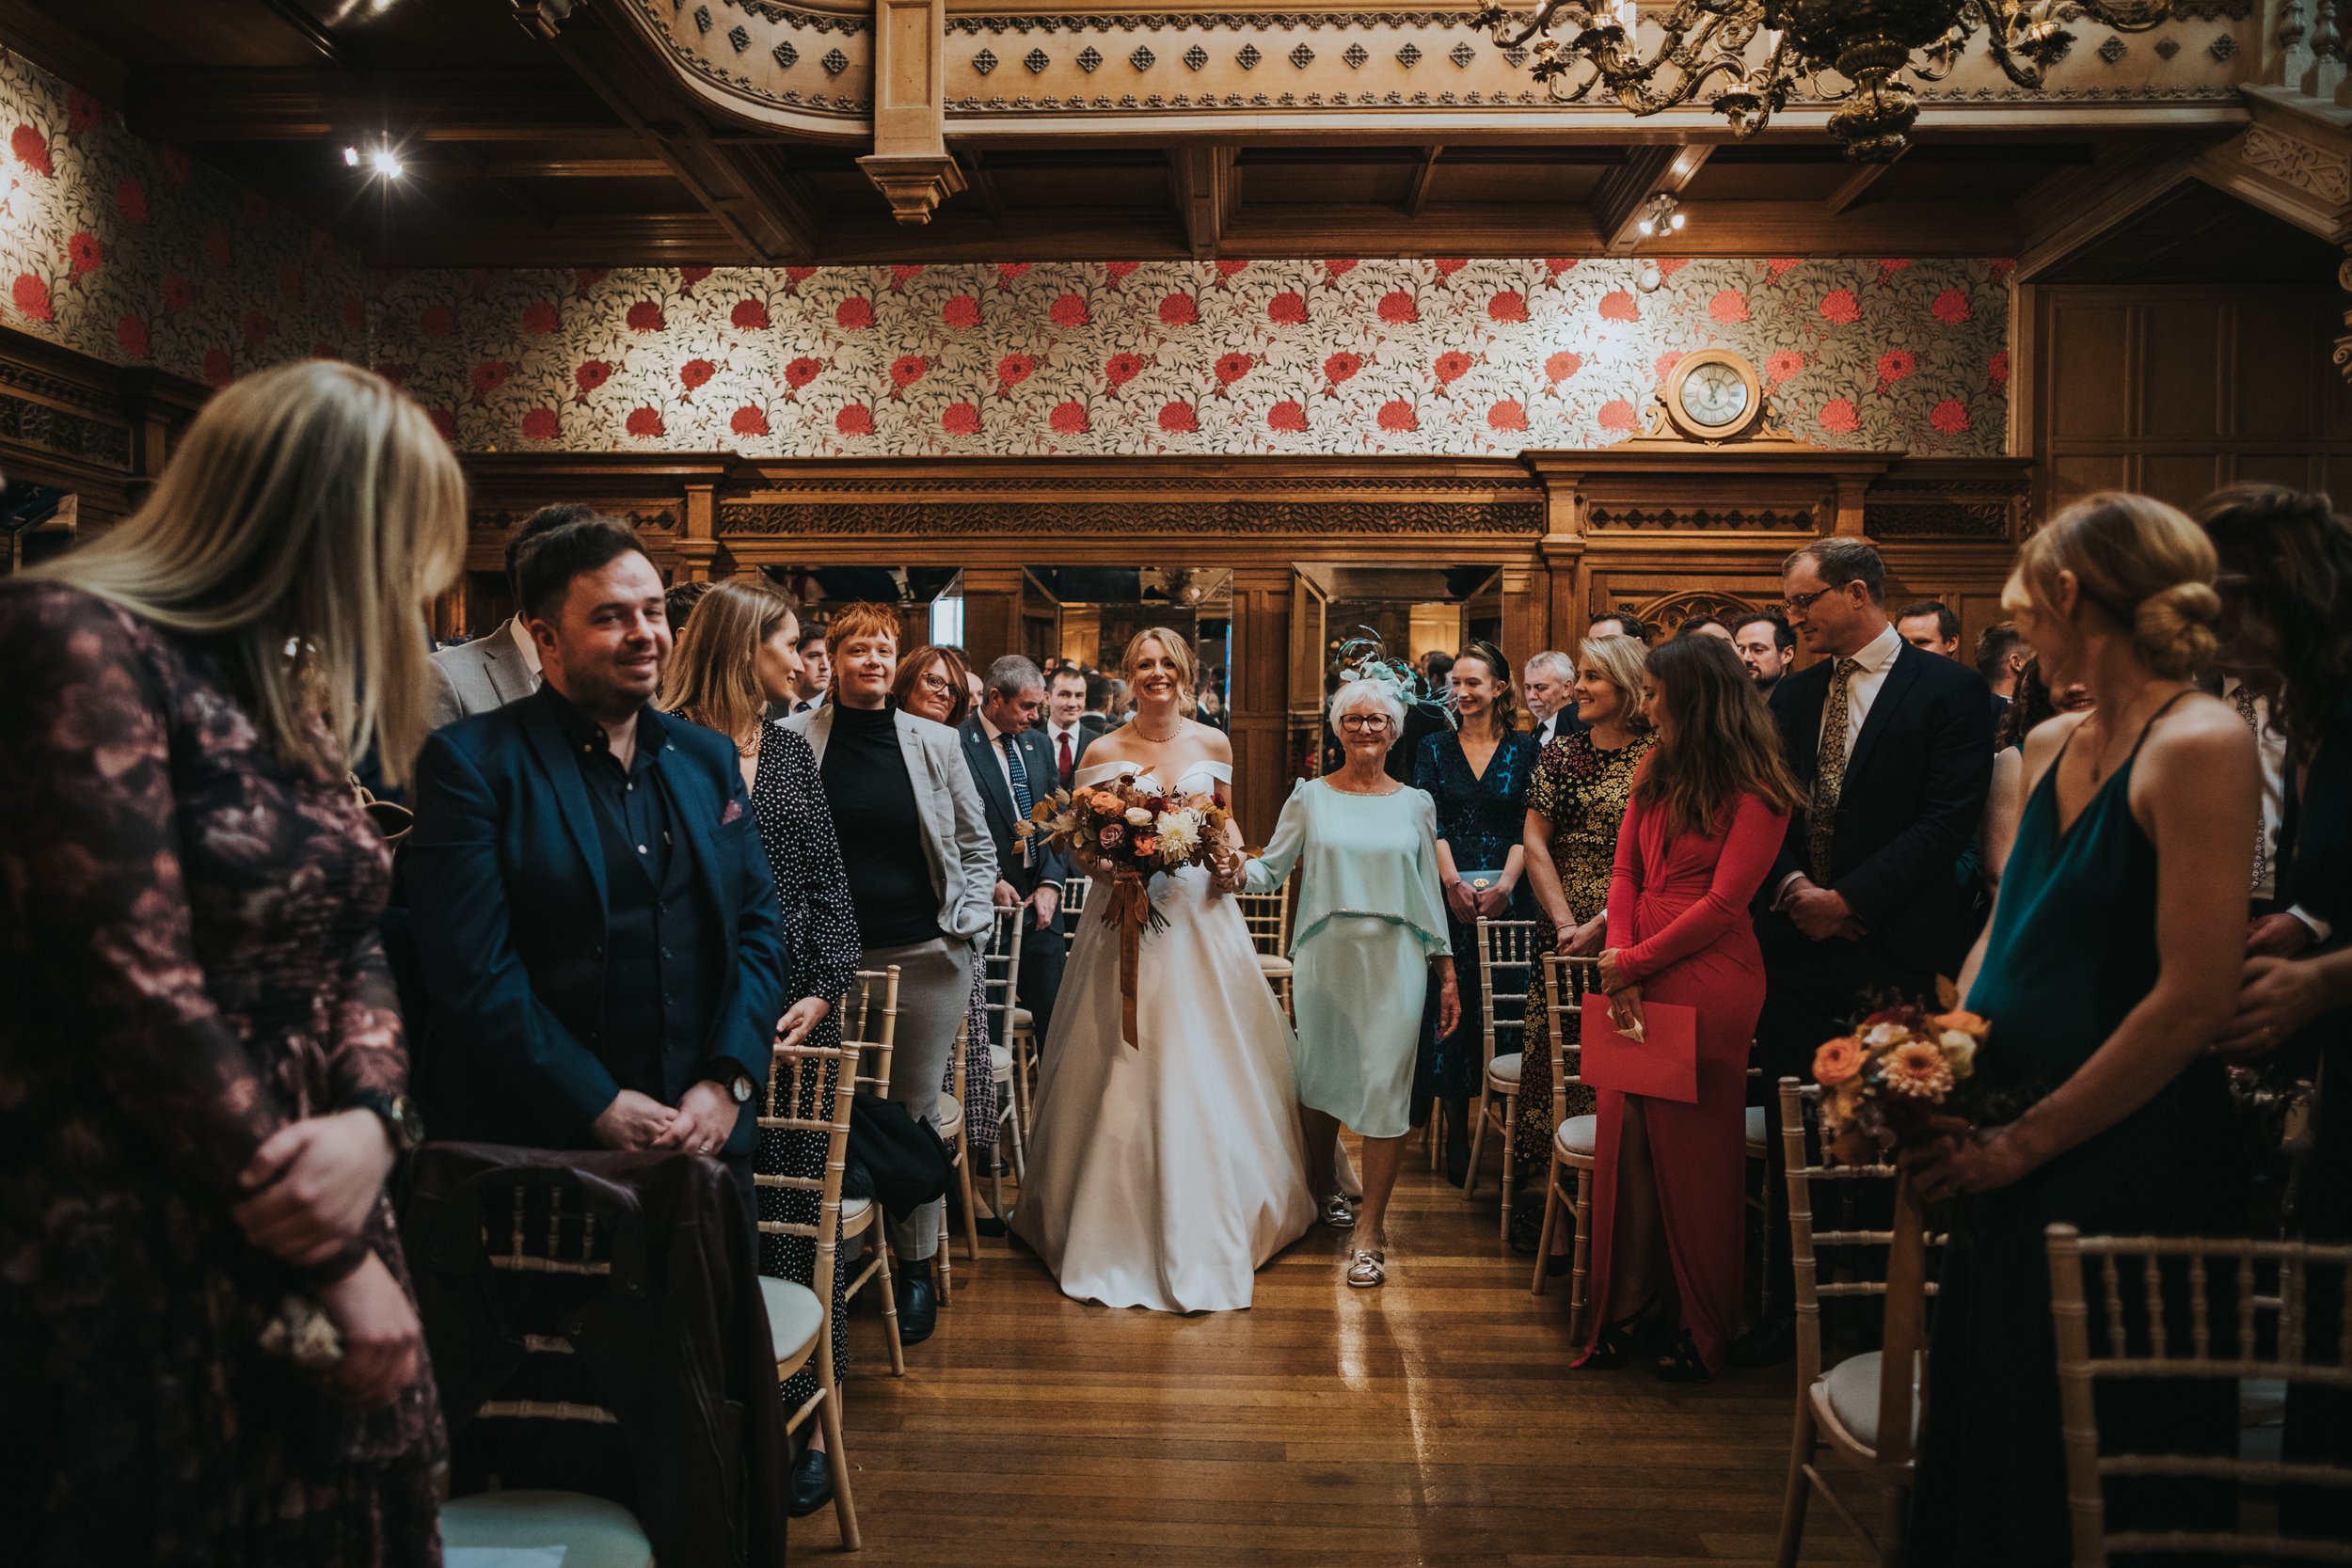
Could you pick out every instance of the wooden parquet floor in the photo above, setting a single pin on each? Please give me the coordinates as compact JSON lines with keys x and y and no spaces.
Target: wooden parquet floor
{"x":1431,"y":1422}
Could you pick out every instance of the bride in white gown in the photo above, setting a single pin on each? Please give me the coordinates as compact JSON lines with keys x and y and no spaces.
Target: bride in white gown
{"x":1165,"y":1173}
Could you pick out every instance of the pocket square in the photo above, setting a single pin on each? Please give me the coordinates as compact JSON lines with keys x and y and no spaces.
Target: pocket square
{"x":733,"y":813}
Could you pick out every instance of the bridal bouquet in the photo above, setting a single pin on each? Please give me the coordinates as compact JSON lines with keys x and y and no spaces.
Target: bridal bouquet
{"x":1897,"y":1079}
{"x":1135,"y":830}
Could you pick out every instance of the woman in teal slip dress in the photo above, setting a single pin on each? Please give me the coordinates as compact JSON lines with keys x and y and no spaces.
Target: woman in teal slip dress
{"x":1369,"y":927}
{"x":2110,"y":969}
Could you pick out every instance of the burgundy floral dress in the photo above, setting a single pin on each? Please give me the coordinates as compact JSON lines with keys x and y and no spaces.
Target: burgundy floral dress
{"x":189,"y":955}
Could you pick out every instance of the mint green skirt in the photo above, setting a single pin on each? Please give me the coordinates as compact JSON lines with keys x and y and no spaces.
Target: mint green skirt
{"x":1358,"y":985}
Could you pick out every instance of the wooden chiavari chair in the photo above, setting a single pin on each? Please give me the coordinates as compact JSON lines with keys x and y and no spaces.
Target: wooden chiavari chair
{"x":1013,"y":1049}
{"x":810,"y":1090}
{"x":869,"y":1017}
{"x":1871,"y":1420}
{"x":2261,"y":1328}
{"x":1506,"y":959}
{"x":1567,"y":982}
{"x":1267,"y":915}
{"x":546,"y":1228}
{"x":951,"y":1132}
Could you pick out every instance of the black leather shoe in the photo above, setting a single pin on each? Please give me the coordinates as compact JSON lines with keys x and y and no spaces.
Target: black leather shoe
{"x":1768,"y":1343}
{"x":918,"y":1304}
{"x":1457,"y":1153}
{"x":811,"y":1486}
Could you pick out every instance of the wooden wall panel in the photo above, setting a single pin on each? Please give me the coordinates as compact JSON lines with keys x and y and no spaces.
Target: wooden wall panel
{"x":2179,"y":391}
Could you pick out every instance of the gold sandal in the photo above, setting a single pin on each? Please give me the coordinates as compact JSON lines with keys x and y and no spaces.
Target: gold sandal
{"x":1336,"y":1215}
{"x":1366,"y":1269}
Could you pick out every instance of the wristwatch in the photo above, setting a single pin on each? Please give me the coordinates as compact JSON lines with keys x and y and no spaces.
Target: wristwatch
{"x":738,"y":1083}
{"x":398,"y":1113}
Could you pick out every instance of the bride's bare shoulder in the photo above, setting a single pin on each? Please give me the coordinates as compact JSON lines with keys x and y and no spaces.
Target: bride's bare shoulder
{"x":1214,"y":743}
{"x":1111,"y":746}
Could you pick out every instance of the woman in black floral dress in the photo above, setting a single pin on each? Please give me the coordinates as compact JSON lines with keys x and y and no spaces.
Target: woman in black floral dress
{"x":1477,"y":775}
{"x":737,"y":654}
{"x":201,"y":1061}
{"x":1574,"y":808}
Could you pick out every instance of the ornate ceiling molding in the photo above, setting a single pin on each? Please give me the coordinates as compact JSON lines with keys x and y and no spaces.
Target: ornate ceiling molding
{"x":777,"y":65}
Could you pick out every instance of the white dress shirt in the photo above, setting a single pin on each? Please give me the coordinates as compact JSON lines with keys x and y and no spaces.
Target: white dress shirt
{"x":1055,"y":734}
{"x":530,"y":649}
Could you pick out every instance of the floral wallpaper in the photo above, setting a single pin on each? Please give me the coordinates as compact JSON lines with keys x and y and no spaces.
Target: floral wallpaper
{"x":137,"y":255}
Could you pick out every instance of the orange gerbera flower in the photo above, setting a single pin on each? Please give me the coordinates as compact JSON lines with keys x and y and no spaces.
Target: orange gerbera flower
{"x":1916,"y":1070}
{"x":1962,"y":1020}
{"x":1838,"y":1061}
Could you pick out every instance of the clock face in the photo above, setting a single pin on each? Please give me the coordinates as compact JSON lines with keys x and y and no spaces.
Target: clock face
{"x":1714,"y":395}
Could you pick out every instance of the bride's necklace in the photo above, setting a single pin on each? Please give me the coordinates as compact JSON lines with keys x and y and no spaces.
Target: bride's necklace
{"x":1159,"y":739}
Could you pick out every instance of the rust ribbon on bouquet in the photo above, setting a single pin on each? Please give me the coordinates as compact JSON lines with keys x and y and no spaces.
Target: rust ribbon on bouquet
{"x":1130,"y":908}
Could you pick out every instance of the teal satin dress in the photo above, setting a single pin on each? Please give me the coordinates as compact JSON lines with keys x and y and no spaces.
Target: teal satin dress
{"x":2071,"y":951}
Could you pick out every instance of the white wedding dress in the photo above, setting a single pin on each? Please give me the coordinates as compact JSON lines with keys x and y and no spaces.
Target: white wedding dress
{"x":1164,"y":1175}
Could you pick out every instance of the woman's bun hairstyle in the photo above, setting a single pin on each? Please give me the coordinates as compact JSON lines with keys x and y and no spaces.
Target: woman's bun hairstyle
{"x":2173,"y":629}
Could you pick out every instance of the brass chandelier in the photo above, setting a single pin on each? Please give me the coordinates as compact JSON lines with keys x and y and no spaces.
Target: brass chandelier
{"x":1705,"y":53}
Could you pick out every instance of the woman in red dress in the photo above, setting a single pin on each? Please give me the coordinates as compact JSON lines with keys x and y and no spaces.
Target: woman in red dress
{"x":1707,"y":815}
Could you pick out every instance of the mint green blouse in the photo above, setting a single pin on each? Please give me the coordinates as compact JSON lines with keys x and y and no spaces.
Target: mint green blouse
{"x":1369,"y":855}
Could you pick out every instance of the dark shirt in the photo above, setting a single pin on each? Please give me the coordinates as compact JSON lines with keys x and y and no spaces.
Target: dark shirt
{"x":663,"y":960}
{"x":881,"y":829}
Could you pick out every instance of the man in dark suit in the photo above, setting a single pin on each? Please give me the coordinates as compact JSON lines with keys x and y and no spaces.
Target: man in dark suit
{"x":1892,"y":747}
{"x":1014,"y":768}
{"x":1069,"y":729}
{"x":596,"y":925}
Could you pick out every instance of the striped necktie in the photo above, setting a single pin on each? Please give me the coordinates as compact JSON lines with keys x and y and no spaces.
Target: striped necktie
{"x":1019,"y":776}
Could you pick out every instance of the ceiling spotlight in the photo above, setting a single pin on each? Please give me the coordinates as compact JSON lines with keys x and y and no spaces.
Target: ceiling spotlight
{"x":385,"y":162}
{"x":1661,"y":215}
{"x":351,"y":157}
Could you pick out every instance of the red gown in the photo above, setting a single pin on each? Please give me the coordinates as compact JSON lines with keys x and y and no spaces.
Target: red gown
{"x":1678,"y":919}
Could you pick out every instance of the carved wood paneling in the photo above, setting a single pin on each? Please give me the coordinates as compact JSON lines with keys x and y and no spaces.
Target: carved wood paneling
{"x":1236,"y":518}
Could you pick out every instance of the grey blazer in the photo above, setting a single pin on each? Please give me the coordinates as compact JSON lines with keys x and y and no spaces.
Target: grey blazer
{"x":477,"y":676}
{"x":955,"y":840}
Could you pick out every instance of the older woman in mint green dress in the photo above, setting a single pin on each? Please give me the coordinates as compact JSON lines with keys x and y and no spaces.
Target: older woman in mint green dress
{"x":1369,"y":927}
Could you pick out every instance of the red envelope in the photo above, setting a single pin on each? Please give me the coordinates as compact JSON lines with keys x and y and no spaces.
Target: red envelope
{"x":1665,"y":1065}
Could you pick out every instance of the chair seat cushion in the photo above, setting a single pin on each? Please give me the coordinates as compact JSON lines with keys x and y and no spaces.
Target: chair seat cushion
{"x":590,"y":1533}
{"x":1755,"y":1124}
{"x":1578,"y":1135}
{"x":1274,"y":963}
{"x":951,"y":1115}
{"x":1850,"y":1390}
{"x":795,"y":1316}
{"x":856,"y":1214}
{"x":1023,"y":1021}
{"x":1504,"y":1068}
{"x":1000,"y":1063}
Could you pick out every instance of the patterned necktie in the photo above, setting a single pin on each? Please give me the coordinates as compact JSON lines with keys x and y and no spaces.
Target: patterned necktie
{"x":2244,"y":702}
{"x":1069,"y":764}
{"x":1828,"y":777}
{"x":1020,"y":785}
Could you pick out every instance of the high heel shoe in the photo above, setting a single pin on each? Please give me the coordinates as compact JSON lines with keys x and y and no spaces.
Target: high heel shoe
{"x":1618,"y":1343}
{"x":1679,"y":1362}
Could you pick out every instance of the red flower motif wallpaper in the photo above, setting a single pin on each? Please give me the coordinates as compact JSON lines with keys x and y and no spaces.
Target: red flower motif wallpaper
{"x":137,"y":254}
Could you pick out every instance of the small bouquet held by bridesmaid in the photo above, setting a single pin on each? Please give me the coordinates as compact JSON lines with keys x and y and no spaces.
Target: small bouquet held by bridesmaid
{"x":1898,"y":1079}
{"x":1134,"y":831}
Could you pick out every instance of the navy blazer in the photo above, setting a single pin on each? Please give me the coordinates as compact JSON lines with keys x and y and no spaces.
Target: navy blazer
{"x":1912,"y":802}
{"x":506,"y":881}
{"x":1036,"y":755}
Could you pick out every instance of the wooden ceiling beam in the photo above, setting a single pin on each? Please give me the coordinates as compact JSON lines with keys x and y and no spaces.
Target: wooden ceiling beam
{"x":1417,"y":194}
{"x":308,"y":106}
{"x":1857,"y":184}
{"x":981,"y":180}
{"x":733,"y":182}
{"x":2069,"y":210}
{"x":1618,"y":201}
{"x":591,"y":240}
{"x":1208,"y":194}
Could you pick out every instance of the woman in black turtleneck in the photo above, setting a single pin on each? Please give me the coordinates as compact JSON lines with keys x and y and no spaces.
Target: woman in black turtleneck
{"x":920,"y":866}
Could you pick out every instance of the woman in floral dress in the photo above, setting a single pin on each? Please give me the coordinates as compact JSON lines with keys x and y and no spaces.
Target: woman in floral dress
{"x":201,"y":1061}
{"x":1574,"y":808}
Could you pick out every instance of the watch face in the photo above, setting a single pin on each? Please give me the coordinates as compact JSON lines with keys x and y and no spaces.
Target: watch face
{"x":1714,"y":395}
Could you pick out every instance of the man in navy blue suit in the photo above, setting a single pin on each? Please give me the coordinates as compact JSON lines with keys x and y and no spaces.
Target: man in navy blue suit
{"x":598,"y":928}
{"x":1014,"y":769}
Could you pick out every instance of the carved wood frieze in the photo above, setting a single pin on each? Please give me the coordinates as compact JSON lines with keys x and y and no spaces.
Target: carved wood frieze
{"x":1161,"y":519}
{"x":1936,"y":519}
{"x":64,"y":433}
{"x":1704,"y":519}
{"x":645,"y":519}
{"x":2317,"y":170}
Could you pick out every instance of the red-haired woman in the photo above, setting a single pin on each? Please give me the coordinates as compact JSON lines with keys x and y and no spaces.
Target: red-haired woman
{"x":1707,"y":815}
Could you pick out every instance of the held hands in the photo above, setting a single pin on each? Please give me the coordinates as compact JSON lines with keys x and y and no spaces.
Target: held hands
{"x":1461,"y":901}
{"x":1494,"y":902}
{"x":1819,"y":914}
{"x":314,"y":1185}
{"x":800,"y":1017}
{"x":1585,"y":941}
{"x":1228,"y":871}
{"x":2278,"y":997}
{"x":380,"y":1334}
{"x":2277,"y":936}
{"x":705,"y":1118}
{"x":633,"y":1120}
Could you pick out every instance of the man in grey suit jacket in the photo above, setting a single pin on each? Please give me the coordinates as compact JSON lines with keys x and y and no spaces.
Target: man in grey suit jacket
{"x":503,"y":665}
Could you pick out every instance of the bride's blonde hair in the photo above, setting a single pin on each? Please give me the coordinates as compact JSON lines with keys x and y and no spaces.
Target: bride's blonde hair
{"x":1179,"y":654}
